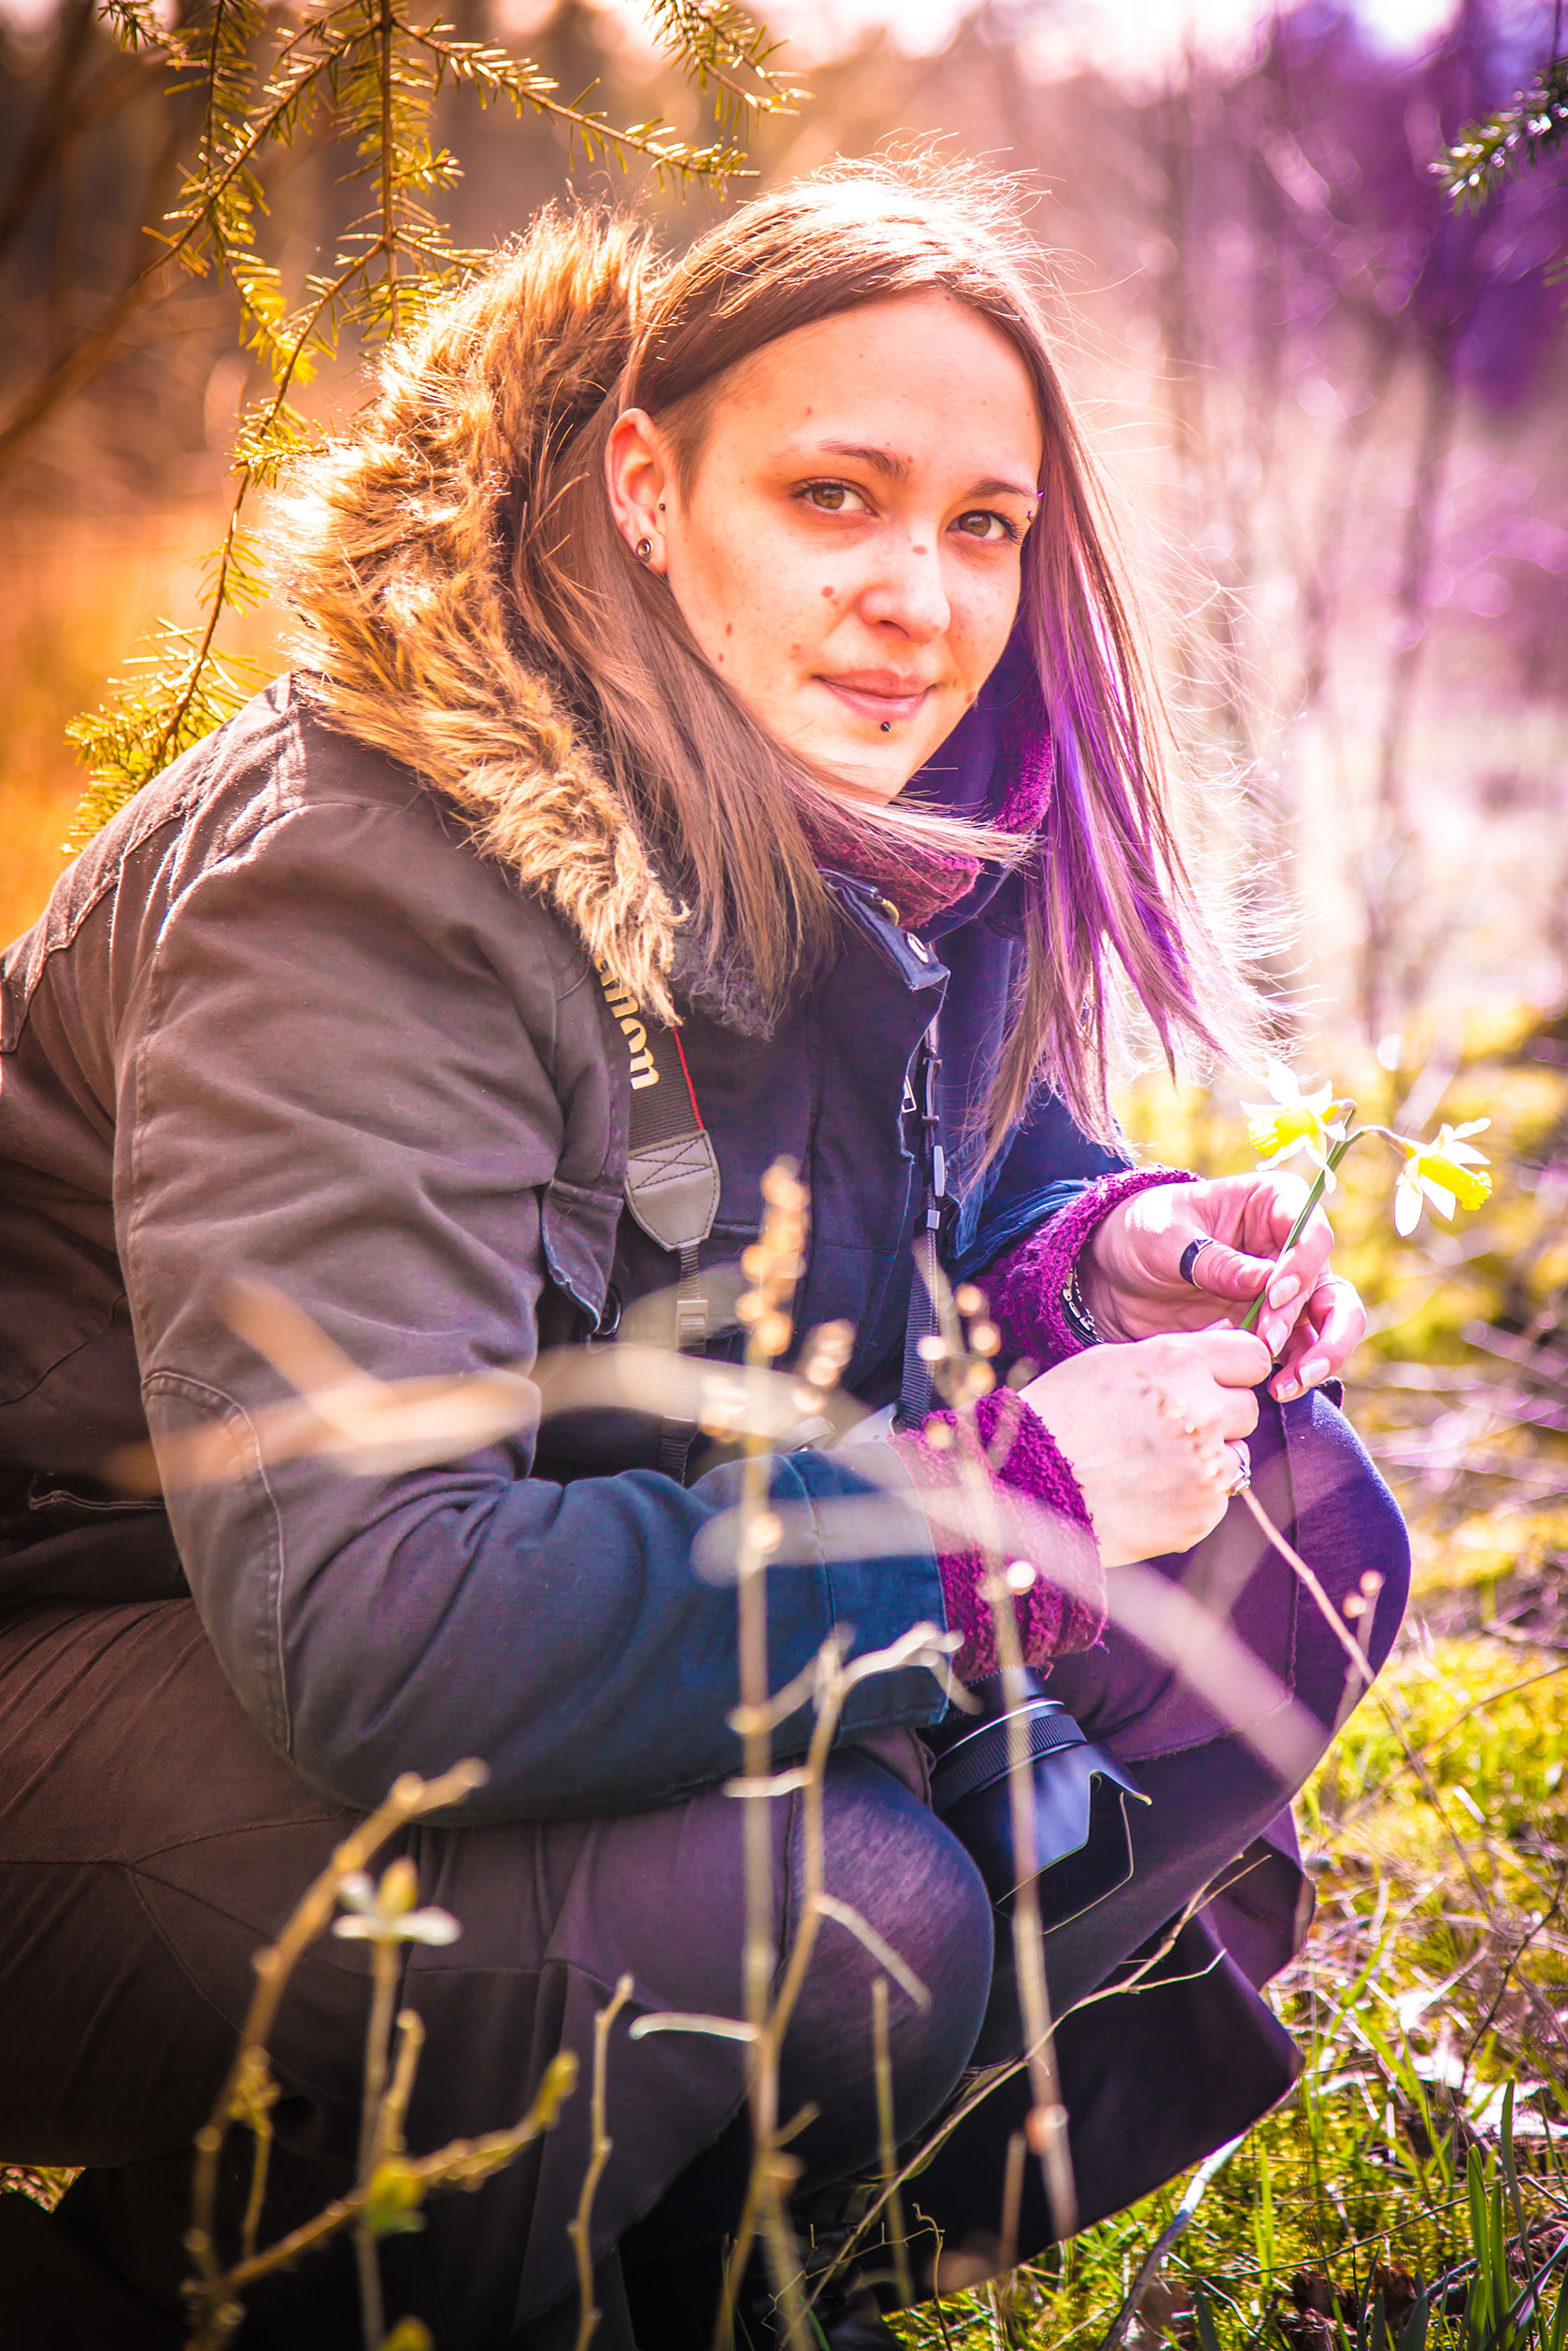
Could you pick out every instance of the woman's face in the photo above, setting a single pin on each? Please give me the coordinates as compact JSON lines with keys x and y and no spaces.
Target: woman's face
{"x":847,"y":551}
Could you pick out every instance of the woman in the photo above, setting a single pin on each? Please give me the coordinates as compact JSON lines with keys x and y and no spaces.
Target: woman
{"x":729,"y":643}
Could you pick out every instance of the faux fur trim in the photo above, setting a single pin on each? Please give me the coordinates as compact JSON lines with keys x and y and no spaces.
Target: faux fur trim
{"x":393,"y":550}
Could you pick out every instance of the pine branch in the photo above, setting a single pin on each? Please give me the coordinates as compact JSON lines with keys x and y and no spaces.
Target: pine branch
{"x":719,"y":46}
{"x":363,"y":77}
{"x":494,"y":75}
{"x":1487,"y":154}
{"x":134,"y":23}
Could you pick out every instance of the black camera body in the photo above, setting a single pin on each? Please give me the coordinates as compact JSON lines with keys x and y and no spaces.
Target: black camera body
{"x":1082,"y":1849}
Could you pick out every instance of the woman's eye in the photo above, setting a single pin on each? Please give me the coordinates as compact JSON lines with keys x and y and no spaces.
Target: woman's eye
{"x":985,"y":524}
{"x":833,"y":497}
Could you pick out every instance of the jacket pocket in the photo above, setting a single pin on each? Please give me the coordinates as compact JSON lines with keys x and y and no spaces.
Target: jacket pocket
{"x":576,"y":1233}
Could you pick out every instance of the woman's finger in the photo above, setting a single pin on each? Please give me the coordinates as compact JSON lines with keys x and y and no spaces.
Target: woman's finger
{"x":1229,"y":1273}
{"x":1329,"y":1332}
{"x":1293,"y":1279}
{"x":1237,"y":1413}
{"x":1302,"y":1342}
{"x":1268,"y":1209}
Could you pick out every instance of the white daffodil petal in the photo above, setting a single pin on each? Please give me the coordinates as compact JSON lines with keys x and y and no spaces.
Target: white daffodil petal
{"x":358,"y":1891}
{"x":1407,"y":1206}
{"x":355,"y":1930}
{"x":1284,"y":1085}
{"x":1318,"y":1100}
{"x":1473,"y":1126}
{"x":429,"y":1926}
{"x":1443,"y":1201}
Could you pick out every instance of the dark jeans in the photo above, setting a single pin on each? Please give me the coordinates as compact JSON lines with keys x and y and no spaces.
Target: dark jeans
{"x":150,"y":1841}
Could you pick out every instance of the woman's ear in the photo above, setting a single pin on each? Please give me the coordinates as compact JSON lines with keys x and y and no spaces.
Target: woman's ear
{"x":637,"y":476}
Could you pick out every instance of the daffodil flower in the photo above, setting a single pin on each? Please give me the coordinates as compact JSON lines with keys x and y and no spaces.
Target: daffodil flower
{"x":1448,"y":1173}
{"x":1293,"y":1122}
{"x":385,"y":1914}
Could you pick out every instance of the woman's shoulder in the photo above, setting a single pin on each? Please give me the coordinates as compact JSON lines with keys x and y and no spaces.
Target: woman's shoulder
{"x":281,"y":795}
{"x":281,"y":762}
{"x":279,"y":839}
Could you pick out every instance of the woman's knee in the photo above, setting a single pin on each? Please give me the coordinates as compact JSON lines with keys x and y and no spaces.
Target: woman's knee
{"x":1348,"y":1527}
{"x":890,"y":1859}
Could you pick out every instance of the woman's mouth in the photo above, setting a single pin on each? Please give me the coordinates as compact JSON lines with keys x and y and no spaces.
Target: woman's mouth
{"x":880,"y":696}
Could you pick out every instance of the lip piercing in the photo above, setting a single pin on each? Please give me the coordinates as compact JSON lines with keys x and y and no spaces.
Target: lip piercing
{"x":643,"y":550}
{"x":887,"y":726}
{"x":1190,"y":1255}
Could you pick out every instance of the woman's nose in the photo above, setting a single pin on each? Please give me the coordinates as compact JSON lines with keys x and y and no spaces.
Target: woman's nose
{"x":909,"y":591}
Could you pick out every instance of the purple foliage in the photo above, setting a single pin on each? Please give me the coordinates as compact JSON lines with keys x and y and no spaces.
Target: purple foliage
{"x":1323,"y":194}
{"x":1324,"y":259}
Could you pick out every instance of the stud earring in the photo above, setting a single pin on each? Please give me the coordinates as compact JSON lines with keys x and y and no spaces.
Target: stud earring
{"x":643,"y":550}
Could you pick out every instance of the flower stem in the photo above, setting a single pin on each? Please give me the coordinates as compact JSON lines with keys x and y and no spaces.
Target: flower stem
{"x":1249,"y":1319}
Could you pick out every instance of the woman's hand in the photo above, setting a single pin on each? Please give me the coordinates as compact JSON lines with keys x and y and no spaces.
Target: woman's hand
{"x":1132,"y":1280}
{"x":1149,"y":1431}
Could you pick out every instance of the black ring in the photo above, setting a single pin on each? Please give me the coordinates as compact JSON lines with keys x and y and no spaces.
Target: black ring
{"x":1191,"y":1254}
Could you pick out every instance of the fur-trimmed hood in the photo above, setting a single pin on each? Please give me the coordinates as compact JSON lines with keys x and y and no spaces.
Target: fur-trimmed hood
{"x":393,"y":550}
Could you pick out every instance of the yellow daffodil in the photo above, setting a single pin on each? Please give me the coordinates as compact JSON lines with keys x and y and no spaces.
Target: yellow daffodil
{"x":1448,"y":1173}
{"x":1294,"y":1121}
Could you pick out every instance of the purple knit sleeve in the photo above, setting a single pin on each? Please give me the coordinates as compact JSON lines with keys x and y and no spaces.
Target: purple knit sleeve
{"x":1024,"y":1289}
{"x":1064,"y":1607}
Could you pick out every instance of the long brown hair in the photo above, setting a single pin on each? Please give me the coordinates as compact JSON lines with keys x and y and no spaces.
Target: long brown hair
{"x":1113,"y":890}
{"x":500,"y":589}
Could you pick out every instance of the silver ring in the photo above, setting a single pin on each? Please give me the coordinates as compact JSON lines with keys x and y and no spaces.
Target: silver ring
{"x":1242,"y":1477}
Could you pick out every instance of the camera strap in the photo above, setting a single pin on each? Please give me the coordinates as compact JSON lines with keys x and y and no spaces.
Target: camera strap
{"x":673,"y":1183}
{"x":672,"y":1175}
{"x":921,"y":1103}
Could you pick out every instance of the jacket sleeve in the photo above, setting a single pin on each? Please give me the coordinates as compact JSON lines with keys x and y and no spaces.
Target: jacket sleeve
{"x":326,"y":1084}
{"x":1046,"y":1166}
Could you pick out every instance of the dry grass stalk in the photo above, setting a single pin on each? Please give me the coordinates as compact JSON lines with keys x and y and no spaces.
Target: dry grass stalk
{"x":402,"y":2185}
{"x":887,"y":2139}
{"x":962,"y":1370}
{"x":773,"y":1266}
{"x":580,"y":2229}
{"x":391,"y":2186}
